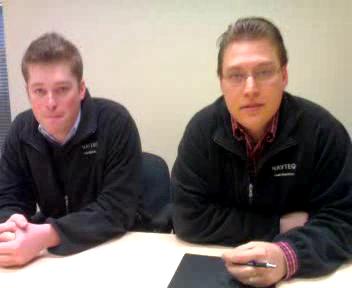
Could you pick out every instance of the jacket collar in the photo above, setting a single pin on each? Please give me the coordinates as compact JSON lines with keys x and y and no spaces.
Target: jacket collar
{"x":289,"y":114}
{"x":87,"y":126}
{"x":89,"y":120}
{"x":223,"y":134}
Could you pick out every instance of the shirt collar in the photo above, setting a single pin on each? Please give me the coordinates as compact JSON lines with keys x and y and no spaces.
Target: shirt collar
{"x":239,"y":133}
{"x":69,"y":136}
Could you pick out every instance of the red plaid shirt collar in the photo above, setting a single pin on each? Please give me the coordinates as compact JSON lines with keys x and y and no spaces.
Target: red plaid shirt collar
{"x":254,"y":148}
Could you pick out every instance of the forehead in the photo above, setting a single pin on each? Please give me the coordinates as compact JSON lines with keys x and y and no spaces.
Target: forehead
{"x":49,"y":73}
{"x":250,"y":53}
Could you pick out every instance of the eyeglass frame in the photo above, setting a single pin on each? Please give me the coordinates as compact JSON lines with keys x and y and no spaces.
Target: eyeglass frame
{"x":261,"y":76}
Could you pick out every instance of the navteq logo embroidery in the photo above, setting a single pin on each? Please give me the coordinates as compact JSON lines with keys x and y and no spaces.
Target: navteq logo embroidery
{"x":283,"y":170}
{"x":90,"y":148}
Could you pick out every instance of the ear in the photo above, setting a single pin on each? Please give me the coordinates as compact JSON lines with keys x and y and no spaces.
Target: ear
{"x":285,"y":76}
{"x":82,"y":90}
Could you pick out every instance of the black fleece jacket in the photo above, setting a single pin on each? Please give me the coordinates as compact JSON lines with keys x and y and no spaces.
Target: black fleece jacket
{"x":88,"y":189}
{"x":308,"y":168}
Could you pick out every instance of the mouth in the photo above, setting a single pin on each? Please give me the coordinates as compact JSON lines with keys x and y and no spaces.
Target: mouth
{"x":252,"y":107}
{"x":54,"y":117}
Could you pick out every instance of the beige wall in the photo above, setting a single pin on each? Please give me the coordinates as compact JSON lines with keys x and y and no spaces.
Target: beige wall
{"x":158,"y":57}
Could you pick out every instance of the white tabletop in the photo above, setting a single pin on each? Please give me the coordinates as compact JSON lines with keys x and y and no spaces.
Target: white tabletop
{"x":134,"y":260}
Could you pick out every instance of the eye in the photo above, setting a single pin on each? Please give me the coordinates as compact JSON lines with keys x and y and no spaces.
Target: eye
{"x":264,"y":74}
{"x":62,"y":90}
{"x":40,"y":92}
{"x":237,"y":76}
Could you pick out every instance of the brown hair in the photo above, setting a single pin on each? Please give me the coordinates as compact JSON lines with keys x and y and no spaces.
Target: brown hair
{"x":51,"y":48}
{"x":251,"y":28}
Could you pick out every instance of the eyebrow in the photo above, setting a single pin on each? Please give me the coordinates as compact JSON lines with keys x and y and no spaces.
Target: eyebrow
{"x":39,"y":84}
{"x":260,"y":65}
{"x":62,"y":83}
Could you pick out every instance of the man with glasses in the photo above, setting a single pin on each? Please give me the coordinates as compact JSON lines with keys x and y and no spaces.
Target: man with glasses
{"x":265,"y":169}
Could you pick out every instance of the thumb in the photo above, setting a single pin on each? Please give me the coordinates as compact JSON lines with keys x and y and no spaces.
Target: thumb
{"x":19,"y":220}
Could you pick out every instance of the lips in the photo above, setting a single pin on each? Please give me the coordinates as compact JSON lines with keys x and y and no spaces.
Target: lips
{"x":254,"y":106}
{"x":53,"y":116}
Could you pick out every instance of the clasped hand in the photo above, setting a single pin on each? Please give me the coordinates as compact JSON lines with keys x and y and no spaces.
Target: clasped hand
{"x":20,"y":241}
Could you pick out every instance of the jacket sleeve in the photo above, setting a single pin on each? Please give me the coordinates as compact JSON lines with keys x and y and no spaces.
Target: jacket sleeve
{"x":114,"y":210}
{"x":325,"y":242}
{"x":198,"y":215}
{"x":16,"y":195}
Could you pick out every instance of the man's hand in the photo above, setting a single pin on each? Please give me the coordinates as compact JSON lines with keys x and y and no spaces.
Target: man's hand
{"x":292,"y":220}
{"x":260,"y":252}
{"x":19,"y":220}
{"x":28,"y":241}
{"x":7,"y":236}
{"x":7,"y":229}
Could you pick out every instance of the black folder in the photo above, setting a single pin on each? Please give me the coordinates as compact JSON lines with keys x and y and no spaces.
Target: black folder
{"x":198,"y":271}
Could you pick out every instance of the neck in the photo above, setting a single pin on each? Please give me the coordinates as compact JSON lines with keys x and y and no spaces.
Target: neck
{"x":60,"y":138}
{"x":256,"y":134}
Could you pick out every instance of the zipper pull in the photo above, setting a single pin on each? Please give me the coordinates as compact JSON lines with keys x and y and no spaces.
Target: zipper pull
{"x":66,"y":204}
{"x":250,"y":193}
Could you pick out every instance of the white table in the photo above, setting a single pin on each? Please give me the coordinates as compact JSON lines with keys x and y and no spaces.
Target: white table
{"x":134,"y":260}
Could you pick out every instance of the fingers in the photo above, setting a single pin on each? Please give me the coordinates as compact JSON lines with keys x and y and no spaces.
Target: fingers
{"x":25,"y":247}
{"x":236,"y":259}
{"x":242,"y":255}
{"x":246,"y":246}
{"x":7,"y":247}
{"x":254,"y":282}
{"x":7,"y":227}
{"x":6,"y":261}
{"x":6,"y":252}
{"x":247,"y":275}
{"x":11,"y":260}
{"x":7,"y":236}
{"x":245,"y":253}
{"x":14,"y":222}
{"x":19,"y":220}
{"x":241,"y":272}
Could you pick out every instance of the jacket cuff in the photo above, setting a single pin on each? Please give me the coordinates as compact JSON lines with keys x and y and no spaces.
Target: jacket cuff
{"x":290,"y":258}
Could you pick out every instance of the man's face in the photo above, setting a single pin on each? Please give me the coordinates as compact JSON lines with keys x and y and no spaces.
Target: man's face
{"x":253,"y":100}
{"x":55,"y":95}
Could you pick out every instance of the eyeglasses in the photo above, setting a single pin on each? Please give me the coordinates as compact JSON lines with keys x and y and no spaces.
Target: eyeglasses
{"x":260,"y":76}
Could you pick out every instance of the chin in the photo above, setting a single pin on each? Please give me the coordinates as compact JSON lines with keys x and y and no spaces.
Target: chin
{"x":254,"y":124}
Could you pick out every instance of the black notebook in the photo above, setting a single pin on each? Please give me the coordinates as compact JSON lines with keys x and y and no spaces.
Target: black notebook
{"x":196,"y":271}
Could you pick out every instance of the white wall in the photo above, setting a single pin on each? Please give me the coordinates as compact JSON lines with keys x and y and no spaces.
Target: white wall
{"x":158,"y":57}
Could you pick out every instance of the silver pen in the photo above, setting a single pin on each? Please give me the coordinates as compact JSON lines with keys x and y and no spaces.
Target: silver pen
{"x":258,"y":264}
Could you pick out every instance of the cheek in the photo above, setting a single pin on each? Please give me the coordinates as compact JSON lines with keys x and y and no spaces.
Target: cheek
{"x":232,"y":104}
{"x":36,"y":107}
{"x":231,"y":96}
{"x":71,"y":105}
{"x":231,"y":93}
{"x":71,"y":100}
{"x":274,"y":99}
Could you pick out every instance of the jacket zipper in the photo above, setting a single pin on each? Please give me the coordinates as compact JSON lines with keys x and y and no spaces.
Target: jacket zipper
{"x":287,"y":145}
{"x":261,"y":164}
{"x":66,"y":204}
{"x":250,"y":193}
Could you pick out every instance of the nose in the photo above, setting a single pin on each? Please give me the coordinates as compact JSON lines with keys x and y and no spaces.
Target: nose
{"x":51,"y":102}
{"x":250,"y":86}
